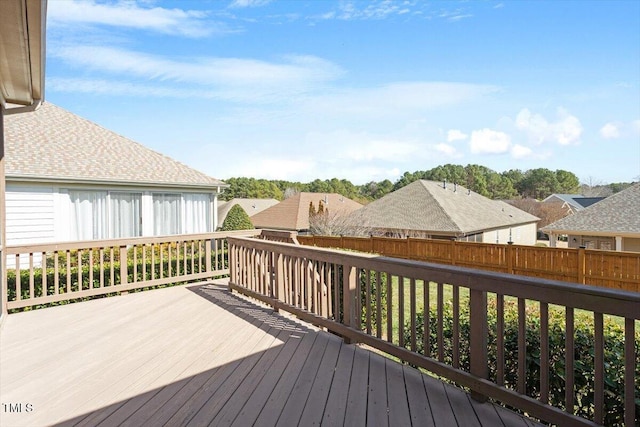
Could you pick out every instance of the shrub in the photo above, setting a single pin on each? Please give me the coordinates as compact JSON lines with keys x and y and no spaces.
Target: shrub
{"x":237,"y":219}
{"x":583,"y":355}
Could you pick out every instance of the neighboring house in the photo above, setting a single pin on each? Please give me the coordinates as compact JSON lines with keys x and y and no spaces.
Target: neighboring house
{"x":441,"y":210}
{"x":70,"y":179}
{"x":250,"y":206}
{"x":293,"y":213}
{"x":611,"y":224}
{"x":572,"y":202}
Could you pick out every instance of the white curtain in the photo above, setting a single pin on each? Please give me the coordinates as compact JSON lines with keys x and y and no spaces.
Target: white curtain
{"x":167,"y":214}
{"x":88,"y":215}
{"x":125,"y":215}
{"x":197,"y":213}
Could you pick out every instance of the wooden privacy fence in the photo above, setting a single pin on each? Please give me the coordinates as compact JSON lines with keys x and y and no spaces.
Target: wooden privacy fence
{"x":379,"y":301}
{"x":617,"y":270}
{"x":55,"y":272}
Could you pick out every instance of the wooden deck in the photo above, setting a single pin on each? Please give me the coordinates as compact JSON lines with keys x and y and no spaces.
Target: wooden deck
{"x":199,"y":355}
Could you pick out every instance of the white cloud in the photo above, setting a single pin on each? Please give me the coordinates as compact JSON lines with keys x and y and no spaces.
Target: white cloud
{"x":448,"y":150}
{"x":249,"y":3}
{"x":228,"y":78}
{"x":566,"y":130}
{"x":610,"y":131}
{"x":489,"y":141}
{"x":456,"y":135}
{"x":361,"y":146}
{"x":521,"y":152}
{"x":187,"y":23}
{"x":397,"y":99}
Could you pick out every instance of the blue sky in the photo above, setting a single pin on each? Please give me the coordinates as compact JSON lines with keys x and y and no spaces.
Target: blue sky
{"x":360,"y":90}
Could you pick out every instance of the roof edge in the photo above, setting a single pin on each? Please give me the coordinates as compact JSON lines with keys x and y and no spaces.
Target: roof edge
{"x":30,"y":178}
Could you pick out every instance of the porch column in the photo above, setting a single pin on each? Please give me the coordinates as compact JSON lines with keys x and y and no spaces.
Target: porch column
{"x":619,"y":243}
{"x":3,"y":223}
{"x":553,"y":239}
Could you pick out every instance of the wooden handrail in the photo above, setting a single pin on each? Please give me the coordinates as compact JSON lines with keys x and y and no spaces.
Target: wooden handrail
{"x":290,"y":287}
{"x":90,"y":268}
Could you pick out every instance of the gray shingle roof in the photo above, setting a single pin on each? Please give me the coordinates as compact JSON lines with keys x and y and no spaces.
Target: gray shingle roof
{"x":617,"y":214}
{"x":54,"y":144}
{"x":250,"y":206}
{"x":428,"y":206}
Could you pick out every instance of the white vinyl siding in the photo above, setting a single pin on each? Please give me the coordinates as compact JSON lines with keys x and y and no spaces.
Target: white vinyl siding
{"x":42,"y":214}
{"x":30,"y":215}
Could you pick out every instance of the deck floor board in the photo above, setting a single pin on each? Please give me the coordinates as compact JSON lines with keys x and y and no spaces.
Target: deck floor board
{"x":199,"y":355}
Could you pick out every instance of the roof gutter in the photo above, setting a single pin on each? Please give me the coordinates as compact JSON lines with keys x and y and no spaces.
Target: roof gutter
{"x":79,"y":181}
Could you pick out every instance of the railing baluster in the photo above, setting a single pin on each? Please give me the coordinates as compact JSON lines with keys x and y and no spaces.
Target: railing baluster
{"x":91,"y":268}
{"x":18,"y":279}
{"x":368,"y":300}
{"x":102,"y":267}
{"x":629,"y":372}
{"x":412,"y":311}
{"x":522,"y":345}
{"x":44,"y":275}
{"x":378,"y":305}
{"x":544,"y":352}
{"x":401,"y":311}
{"x":79,"y":272}
{"x":500,"y":339}
{"x":68,"y":253}
{"x":478,"y":337}
{"x":31,"y":278}
{"x":112,"y":267}
{"x":598,"y":363}
{"x":440,"y":324}
{"x":426,"y":326}
{"x":456,"y":326}
{"x":569,"y":360}
{"x":56,"y":273}
{"x":134,"y":249}
{"x":389,"y":307}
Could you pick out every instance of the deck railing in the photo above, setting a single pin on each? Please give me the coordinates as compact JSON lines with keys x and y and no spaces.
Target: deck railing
{"x":616,"y":270}
{"x":377,"y":301}
{"x":55,"y":272}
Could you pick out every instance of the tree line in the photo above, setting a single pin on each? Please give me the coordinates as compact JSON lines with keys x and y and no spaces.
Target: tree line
{"x":512,"y":184}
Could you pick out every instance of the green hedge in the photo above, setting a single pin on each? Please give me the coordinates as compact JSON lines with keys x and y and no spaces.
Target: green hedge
{"x":583,"y":355}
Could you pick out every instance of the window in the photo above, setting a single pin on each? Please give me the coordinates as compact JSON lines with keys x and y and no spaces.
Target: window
{"x":197,"y":213}
{"x":125,"y":215}
{"x":167,"y":214}
{"x":88,"y":216}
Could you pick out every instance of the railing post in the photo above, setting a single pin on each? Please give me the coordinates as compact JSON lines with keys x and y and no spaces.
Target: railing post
{"x":350,"y":317}
{"x":123,"y":266}
{"x":510,"y":252}
{"x":581,"y":264}
{"x":478,"y":337}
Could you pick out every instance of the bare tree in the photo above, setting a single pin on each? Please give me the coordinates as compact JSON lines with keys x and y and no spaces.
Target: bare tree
{"x":548,"y":212}
{"x":330,"y":223}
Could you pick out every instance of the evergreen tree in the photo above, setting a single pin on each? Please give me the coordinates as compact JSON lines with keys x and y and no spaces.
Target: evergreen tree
{"x":237,"y":219}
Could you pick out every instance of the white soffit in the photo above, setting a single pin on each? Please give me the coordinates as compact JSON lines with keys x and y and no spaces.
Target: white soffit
{"x":22,"y":50}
